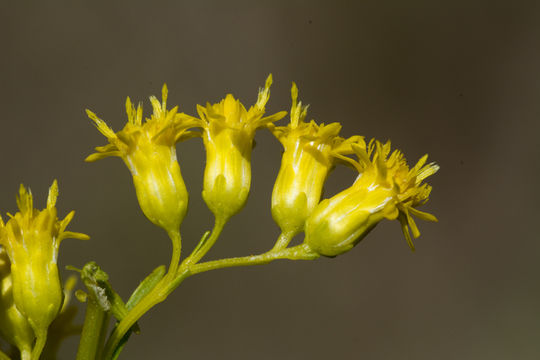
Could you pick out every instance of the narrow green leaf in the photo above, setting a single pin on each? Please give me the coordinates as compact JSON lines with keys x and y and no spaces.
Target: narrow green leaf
{"x":146,"y":286}
{"x":201,"y":242}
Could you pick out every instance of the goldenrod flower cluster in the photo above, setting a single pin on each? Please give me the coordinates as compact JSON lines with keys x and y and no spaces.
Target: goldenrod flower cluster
{"x":31,"y":294}
{"x":385,"y":187}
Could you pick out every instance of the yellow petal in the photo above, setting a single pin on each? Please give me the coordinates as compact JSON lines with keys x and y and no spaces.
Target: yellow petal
{"x":25,"y":201}
{"x":73,"y":235}
{"x":164,"y":93}
{"x":405,"y":229}
{"x":423,"y":215}
{"x":64,"y":223}
{"x":264,"y":94}
{"x":412,"y":224}
{"x":101,"y":125}
{"x":53,"y":195}
{"x":103,"y":155}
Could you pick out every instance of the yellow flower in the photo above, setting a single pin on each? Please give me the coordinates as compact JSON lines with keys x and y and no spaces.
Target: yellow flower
{"x":310,"y":154}
{"x":385,"y":188}
{"x":13,"y":325}
{"x":31,"y":239}
{"x":228,"y":132}
{"x":148,"y":150}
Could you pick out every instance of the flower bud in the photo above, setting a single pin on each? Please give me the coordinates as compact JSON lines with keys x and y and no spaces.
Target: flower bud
{"x":31,"y":239}
{"x":310,"y":154}
{"x":13,"y":325}
{"x":384,"y":189}
{"x":159,"y":185}
{"x":148,"y":150}
{"x":228,"y":132}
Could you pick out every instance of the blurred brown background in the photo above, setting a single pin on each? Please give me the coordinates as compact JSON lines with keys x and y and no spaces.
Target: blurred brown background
{"x":459,"y":80}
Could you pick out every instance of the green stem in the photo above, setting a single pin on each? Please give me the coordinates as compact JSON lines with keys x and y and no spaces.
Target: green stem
{"x":283,"y":240}
{"x":157,"y":295}
{"x":41,"y":339}
{"x":95,"y":325}
{"x":103,"y":334}
{"x":154,"y":297}
{"x":189,"y":267}
{"x":198,"y":254}
{"x":176,"y":240}
{"x":300,"y":252}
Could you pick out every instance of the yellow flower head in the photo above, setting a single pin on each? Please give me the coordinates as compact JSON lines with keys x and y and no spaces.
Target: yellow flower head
{"x":228,"y":132}
{"x":13,"y":325}
{"x":385,"y":188}
{"x":310,"y":154}
{"x":148,"y":150}
{"x":31,"y":238}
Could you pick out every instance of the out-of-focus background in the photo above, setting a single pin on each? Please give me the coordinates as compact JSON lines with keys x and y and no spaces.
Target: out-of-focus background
{"x":459,"y":80}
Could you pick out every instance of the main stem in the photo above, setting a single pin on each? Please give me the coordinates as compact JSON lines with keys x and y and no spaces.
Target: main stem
{"x":190,"y":266}
{"x":92,"y":332}
{"x":157,"y":295}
